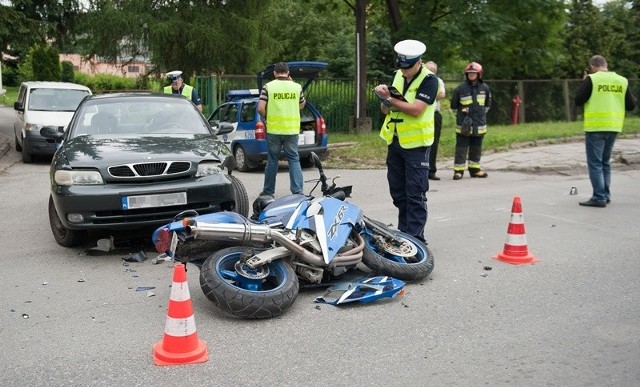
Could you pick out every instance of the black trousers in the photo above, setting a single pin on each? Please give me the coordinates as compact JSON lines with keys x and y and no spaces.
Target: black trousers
{"x":436,"y":140}
{"x":467,"y":148}
{"x":407,"y":174}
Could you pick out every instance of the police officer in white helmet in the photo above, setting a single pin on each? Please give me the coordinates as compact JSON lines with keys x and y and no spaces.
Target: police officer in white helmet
{"x":409,"y":106}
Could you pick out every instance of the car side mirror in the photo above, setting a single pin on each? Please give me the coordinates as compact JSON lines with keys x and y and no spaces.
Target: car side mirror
{"x":224,"y":128}
{"x":18,"y":106}
{"x":51,"y":132}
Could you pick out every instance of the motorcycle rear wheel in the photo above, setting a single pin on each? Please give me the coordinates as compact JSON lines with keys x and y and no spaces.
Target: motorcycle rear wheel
{"x":240,"y":295}
{"x":411,"y":261}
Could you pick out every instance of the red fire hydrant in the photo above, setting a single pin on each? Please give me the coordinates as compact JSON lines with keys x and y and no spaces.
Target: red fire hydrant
{"x":516,"y":108}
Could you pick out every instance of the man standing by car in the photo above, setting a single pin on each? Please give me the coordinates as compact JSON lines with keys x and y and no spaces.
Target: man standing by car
{"x":179,"y":87}
{"x":408,"y":129}
{"x":605,"y":96}
{"x":280,"y":103}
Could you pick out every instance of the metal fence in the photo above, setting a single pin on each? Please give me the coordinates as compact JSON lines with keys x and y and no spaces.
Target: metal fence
{"x":540,"y":100}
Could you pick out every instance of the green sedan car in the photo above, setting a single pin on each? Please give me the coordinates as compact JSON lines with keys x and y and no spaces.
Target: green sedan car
{"x":134,"y":161}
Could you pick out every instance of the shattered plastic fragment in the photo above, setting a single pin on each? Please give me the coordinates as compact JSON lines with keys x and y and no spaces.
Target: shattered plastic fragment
{"x":105,"y":245}
{"x":137,"y":257}
{"x":365,"y":290}
{"x":144,"y":288}
{"x":25,"y":316}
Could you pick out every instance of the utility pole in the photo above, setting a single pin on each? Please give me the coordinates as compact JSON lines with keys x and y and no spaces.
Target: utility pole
{"x":362,"y":122}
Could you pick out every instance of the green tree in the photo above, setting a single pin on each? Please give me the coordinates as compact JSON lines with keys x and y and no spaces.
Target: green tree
{"x":197,"y":37}
{"x":585,"y":34}
{"x":510,"y":39}
{"x":57,"y":18}
{"x":322,"y":30}
{"x":17,"y":32}
{"x":45,"y":63}
{"x":623,"y":45}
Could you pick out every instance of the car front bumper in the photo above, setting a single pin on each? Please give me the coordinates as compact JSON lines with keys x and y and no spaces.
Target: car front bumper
{"x":35,"y":144}
{"x":100,"y":206}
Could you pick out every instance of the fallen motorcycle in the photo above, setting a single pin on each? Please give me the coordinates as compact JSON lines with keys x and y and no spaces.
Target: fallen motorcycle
{"x":289,"y":242}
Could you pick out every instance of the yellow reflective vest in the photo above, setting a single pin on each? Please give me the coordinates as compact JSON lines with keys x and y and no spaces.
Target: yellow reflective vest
{"x":283,"y":107}
{"x":412,"y":132}
{"x":605,"y":109}
{"x":187,"y":91}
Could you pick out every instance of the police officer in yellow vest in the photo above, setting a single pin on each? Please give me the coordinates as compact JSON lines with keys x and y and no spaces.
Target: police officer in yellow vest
{"x":280,"y":103}
{"x":605,"y":96}
{"x":408,"y":129}
{"x":179,"y":87}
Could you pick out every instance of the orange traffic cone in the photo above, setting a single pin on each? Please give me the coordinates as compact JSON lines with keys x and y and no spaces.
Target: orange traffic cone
{"x":180,"y":344}
{"x":515,"y":248}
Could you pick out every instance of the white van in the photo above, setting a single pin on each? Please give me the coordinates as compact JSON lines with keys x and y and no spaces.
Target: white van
{"x":41,"y":104}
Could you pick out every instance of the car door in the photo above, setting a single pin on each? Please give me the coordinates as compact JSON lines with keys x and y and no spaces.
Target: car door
{"x":228,"y":113}
{"x":18,"y":123}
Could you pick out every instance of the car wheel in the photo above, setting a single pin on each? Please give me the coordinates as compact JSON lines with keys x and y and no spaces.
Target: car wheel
{"x":26,"y":156}
{"x":62,"y":235}
{"x":241,"y":197}
{"x":18,"y":146}
{"x":242,"y":163}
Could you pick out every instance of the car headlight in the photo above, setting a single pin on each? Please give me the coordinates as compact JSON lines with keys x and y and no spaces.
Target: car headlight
{"x":206,"y":168}
{"x":63,"y":177}
{"x":33,"y":127}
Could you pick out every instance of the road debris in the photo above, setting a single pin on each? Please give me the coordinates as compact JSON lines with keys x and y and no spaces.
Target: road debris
{"x":140,"y":256}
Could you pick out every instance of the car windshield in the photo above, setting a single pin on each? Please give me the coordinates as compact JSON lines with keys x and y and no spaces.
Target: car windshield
{"x":55,"y":100}
{"x":138,"y":115}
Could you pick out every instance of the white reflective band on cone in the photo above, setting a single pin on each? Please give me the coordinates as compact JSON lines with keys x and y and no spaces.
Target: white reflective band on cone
{"x":180,"y":327}
{"x":179,"y":291}
{"x":517,"y":240}
{"x":517,"y":219}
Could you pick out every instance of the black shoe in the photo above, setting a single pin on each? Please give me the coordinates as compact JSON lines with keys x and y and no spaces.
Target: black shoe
{"x":480,"y":174}
{"x":457,"y":176}
{"x":591,"y":203}
{"x":432,"y":176}
{"x":608,"y":200}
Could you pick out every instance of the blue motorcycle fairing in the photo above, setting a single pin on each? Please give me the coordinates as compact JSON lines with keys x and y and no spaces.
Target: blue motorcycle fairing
{"x":331,"y":219}
{"x":281,"y":209}
{"x":366,"y":290}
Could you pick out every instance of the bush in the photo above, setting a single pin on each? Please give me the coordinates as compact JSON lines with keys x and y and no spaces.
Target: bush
{"x":66,"y":74}
{"x":45,"y":64}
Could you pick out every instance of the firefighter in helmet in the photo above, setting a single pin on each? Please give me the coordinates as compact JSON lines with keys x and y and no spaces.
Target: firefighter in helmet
{"x":471,"y":100}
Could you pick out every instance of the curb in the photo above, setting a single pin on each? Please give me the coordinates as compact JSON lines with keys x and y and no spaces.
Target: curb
{"x":4,"y":145}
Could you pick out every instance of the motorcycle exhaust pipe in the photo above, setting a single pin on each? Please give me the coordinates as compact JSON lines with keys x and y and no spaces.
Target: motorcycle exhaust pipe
{"x":231,"y":232}
{"x":249,"y":232}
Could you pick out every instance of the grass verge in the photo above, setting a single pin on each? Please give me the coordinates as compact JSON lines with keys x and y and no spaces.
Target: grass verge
{"x":368,"y":151}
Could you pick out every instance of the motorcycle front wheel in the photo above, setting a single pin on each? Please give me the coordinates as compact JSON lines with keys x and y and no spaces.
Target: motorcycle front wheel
{"x":237,"y":289}
{"x":407,"y":258}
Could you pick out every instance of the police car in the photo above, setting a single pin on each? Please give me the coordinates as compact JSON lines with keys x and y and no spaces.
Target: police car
{"x":248,"y":142}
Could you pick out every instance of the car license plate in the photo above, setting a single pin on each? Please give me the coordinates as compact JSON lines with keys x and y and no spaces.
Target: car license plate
{"x":150,"y":201}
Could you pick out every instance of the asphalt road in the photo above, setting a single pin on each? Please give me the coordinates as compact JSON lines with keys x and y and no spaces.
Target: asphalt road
{"x":571,"y":319}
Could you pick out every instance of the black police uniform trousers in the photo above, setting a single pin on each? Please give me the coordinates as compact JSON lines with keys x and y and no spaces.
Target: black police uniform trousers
{"x":407,"y":174}
{"x":433,"y":152}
